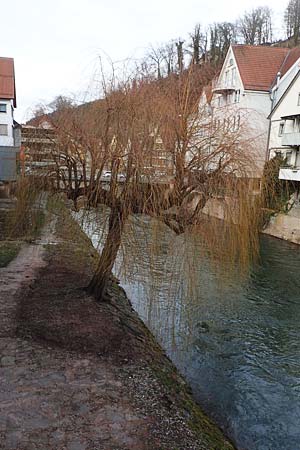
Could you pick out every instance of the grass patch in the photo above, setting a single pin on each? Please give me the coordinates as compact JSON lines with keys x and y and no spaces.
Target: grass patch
{"x":8,"y":251}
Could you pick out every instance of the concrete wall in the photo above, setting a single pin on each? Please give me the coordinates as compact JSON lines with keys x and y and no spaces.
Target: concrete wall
{"x":8,"y":163}
{"x":284,"y":226}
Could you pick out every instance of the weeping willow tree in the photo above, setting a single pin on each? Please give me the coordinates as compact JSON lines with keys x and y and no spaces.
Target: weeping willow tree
{"x":165,"y":158}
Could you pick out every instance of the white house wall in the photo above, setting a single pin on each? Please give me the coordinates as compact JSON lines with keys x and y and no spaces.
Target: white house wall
{"x":253,"y":108}
{"x":284,"y":83}
{"x":7,"y":119}
{"x":288,"y":107}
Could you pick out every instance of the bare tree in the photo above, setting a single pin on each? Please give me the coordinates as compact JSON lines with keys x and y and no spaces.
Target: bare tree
{"x":156,"y":56}
{"x":127,"y":132}
{"x":255,"y":26}
{"x":180,"y":55}
{"x":292,"y":20}
{"x":198,"y":44}
{"x":221,"y":36}
{"x":169,"y":57}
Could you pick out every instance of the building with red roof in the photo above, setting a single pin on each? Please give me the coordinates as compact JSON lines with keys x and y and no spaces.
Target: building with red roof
{"x":245,"y":91}
{"x":9,"y":129}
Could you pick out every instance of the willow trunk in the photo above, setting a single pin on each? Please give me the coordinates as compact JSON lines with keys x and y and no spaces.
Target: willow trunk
{"x":99,"y":283}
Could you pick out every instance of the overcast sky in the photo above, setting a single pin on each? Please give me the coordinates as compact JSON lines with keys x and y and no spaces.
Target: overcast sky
{"x":56,"y":43}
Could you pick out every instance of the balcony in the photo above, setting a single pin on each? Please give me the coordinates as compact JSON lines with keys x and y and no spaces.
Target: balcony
{"x":223,"y":88}
{"x":289,"y":173}
{"x":291,"y":139}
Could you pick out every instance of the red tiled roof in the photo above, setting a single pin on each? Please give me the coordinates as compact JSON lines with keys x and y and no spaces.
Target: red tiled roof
{"x":7,"y":79}
{"x":259,"y":65}
{"x":290,"y":60}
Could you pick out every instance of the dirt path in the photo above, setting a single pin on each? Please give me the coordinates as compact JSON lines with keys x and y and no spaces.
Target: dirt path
{"x":51,"y":399}
{"x":72,"y":375}
{"x":21,"y":272}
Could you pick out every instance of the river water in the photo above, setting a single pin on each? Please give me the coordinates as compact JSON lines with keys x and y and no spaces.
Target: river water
{"x":236,"y":339}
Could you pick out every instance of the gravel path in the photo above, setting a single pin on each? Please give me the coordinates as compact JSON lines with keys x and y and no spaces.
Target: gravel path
{"x":53,"y":399}
{"x":73,"y":375}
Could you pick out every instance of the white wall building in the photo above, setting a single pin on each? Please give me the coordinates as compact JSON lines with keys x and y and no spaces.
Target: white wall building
{"x":284,"y":138}
{"x":6,"y":123}
{"x":9,"y":129}
{"x":242,"y":95}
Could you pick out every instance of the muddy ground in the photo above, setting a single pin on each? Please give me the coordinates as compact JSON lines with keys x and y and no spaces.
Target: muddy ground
{"x":80,"y":375}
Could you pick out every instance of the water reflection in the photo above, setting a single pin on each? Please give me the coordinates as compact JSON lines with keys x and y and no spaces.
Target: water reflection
{"x":235,"y":340}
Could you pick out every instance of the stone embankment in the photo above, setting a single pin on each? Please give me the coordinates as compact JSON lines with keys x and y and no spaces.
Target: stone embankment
{"x":80,"y":375}
{"x":285,"y":226}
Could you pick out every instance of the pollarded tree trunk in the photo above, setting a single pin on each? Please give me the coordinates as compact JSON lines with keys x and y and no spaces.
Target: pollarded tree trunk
{"x":99,"y":283}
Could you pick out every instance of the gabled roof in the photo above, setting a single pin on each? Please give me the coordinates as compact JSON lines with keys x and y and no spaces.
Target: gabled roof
{"x":287,"y":90}
{"x":7,"y":79}
{"x":259,"y":65}
{"x":290,"y":60}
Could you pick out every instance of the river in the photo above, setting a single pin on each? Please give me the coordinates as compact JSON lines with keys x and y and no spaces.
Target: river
{"x":235,"y":339}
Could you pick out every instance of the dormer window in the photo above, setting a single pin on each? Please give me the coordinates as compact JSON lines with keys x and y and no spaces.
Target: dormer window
{"x":3,"y":108}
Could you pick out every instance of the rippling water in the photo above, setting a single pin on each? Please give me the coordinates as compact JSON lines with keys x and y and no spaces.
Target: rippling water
{"x":235,"y":340}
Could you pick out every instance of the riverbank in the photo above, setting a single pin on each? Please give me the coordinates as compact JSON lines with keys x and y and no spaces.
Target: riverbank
{"x":77,"y":374}
{"x":285,"y":226}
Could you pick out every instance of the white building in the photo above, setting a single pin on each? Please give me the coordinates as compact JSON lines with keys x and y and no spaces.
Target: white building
{"x":284,"y":136}
{"x":242,"y":95}
{"x":9,"y":129}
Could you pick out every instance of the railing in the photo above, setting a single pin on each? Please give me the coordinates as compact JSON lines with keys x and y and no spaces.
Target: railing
{"x":291,"y":139}
{"x":222,"y":87}
{"x":289,"y":173}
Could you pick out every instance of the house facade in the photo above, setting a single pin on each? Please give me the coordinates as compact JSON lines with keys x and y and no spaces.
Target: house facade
{"x":284,"y":135}
{"x":242,"y":96}
{"x":10,"y":133}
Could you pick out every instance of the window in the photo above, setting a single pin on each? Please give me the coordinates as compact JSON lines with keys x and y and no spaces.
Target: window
{"x":233,"y":76}
{"x":281,"y":129}
{"x":3,"y":130}
{"x":226,"y":78}
{"x":288,"y":158}
{"x":297,"y":125}
{"x":2,"y":107}
{"x":237,"y":96}
{"x":231,"y":62}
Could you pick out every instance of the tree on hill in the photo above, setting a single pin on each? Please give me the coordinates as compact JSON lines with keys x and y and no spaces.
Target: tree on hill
{"x":222,"y":35}
{"x":292,"y":20}
{"x":255,"y":27}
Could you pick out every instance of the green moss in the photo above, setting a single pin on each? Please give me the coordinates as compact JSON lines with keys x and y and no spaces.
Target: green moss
{"x":69,"y":231}
{"x":168,"y":375}
{"x":8,"y":251}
